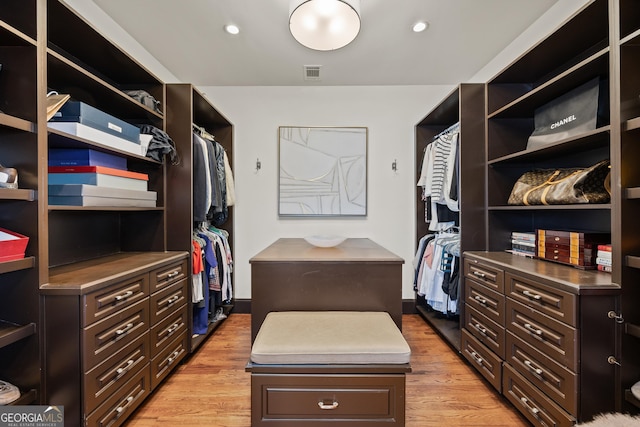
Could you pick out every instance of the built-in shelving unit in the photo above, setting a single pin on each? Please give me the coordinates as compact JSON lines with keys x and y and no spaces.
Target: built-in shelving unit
{"x":464,"y":105}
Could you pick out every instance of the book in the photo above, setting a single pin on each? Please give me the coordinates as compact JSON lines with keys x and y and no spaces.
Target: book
{"x":606,"y":248}
{"x":100,"y":201}
{"x":603,"y":261}
{"x":604,"y":254}
{"x":523,"y":236}
{"x":96,"y":191}
{"x":605,"y":268}
{"x":98,"y":179}
{"x":98,"y":169}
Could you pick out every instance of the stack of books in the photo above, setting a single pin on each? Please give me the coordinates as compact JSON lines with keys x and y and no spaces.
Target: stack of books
{"x":523,"y":243}
{"x":603,"y":258}
{"x":85,"y":177}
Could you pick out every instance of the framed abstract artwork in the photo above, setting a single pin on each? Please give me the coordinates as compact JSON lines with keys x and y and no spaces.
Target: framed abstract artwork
{"x":322,"y":171}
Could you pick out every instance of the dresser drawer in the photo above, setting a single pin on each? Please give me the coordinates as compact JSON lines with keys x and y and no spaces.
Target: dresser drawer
{"x":105,"y":302}
{"x":557,"y":340}
{"x":485,"y":330}
{"x":168,"y":329}
{"x":102,"y":339}
{"x":490,"y":276}
{"x":116,"y":409}
{"x":310,"y":400}
{"x":168,"y":359}
{"x":553,"y":302}
{"x":166,"y":276}
{"x":487,"y":363}
{"x":486,"y":301}
{"x":538,"y":408}
{"x":167,"y":300}
{"x":556,"y":381}
{"x":107,"y":377}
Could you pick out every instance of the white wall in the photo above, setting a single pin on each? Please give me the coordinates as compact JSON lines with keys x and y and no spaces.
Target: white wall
{"x":390,"y":113}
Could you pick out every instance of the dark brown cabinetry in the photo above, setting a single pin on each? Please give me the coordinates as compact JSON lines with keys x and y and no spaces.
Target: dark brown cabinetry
{"x":464,"y":105}
{"x":529,"y":325}
{"x":20,"y":34}
{"x":114,"y":328}
{"x":186,"y":107}
{"x":542,"y":337}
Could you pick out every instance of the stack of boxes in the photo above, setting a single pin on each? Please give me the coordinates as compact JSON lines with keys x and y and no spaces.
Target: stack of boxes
{"x":85,"y":177}
{"x":603,"y":259}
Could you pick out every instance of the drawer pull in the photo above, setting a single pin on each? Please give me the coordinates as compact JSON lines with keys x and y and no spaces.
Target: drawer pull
{"x":324,"y":406}
{"x":480,"y":300}
{"x":479,"y":274}
{"x":531,"y":295}
{"x":173,"y":299}
{"x":532,"y":330}
{"x":481,"y":329}
{"x":121,"y":332}
{"x":534,"y":411}
{"x":120,"y":409}
{"x":123,"y":296}
{"x":533,"y":368}
{"x":173,"y":357}
{"x":173,"y":274}
{"x":476,"y":357}
{"x":171,"y":329}
{"x":125,"y":368}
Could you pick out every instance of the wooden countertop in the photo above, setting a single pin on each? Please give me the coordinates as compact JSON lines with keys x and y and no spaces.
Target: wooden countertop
{"x":87,"y":276}
{"x":563,"y":277}
{"x":351,"y":250}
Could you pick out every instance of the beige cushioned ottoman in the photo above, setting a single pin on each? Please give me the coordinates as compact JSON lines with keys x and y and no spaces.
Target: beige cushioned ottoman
{"x":311,"y":368}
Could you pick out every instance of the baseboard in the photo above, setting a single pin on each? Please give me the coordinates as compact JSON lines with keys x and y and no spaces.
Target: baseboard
{"x":243,"y":306}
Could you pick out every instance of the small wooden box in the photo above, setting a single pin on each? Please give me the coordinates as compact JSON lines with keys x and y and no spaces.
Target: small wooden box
{"x":578,"y":249}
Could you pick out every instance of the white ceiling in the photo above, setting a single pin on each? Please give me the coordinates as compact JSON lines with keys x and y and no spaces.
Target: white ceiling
{"x":187,"y":37}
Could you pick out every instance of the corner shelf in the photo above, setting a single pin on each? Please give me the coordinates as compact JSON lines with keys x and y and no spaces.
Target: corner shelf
{"x":633,"y":330}
{"x":10,"y":332}
{"x":18,"y":264}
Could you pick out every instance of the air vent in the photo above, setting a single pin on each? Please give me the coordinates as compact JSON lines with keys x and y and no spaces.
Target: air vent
{"x":312,"y":72}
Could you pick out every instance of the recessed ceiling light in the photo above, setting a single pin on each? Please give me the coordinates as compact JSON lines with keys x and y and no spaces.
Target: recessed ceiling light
{"x":420,"y":26}
{"x":232,"y":29}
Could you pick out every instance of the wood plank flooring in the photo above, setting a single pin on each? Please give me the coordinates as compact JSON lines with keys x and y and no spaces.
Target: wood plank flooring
{"x":212,"y":388}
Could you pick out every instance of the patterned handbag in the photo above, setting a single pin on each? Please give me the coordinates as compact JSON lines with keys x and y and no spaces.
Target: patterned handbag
{"x":563,"y":186}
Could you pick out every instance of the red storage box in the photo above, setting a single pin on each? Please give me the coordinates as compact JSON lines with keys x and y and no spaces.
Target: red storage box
{"x":12,"y":245}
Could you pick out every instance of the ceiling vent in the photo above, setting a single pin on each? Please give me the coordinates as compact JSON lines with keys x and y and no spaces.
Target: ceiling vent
{"x":312,"y":72}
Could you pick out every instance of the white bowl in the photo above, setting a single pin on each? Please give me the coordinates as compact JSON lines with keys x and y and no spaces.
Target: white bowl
{"x":327,"y":241}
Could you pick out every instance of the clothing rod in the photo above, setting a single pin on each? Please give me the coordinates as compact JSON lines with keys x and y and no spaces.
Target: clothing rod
{"x":454,"y":127}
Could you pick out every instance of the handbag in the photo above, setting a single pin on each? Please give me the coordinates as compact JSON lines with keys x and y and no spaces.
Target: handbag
{"x":563,"y":186}
{"x":580,"y":110}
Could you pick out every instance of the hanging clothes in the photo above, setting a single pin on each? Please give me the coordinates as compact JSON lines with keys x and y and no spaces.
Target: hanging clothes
{"x":436,"y":271}
{"x":439,"y":180}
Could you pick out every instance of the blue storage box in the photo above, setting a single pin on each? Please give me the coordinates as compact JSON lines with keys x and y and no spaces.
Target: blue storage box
{"x":79,"y":112}
{"x":85,"y":157}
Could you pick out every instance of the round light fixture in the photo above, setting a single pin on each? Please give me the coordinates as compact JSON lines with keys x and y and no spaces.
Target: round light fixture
{"x":419,"y":27}
{"x":324,"y":24}
{"x":232,"y":29}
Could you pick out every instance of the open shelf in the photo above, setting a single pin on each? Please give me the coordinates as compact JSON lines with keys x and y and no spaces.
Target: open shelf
{"x":633,"y":330}
{"x":632,"y":261}
{"x":10,"y":332}
{"x":631,"y":124}
{"x":18,"y":264}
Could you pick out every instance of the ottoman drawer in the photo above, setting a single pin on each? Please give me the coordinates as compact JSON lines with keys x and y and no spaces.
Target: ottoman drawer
{"x":303,"y":400}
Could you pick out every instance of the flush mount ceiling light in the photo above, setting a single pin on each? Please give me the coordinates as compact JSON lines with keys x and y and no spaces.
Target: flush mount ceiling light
{"x":420,"y":26}
{"x":324,"y":24}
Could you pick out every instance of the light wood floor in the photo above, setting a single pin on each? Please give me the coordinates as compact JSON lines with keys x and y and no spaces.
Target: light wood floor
{"x":213,"y":389}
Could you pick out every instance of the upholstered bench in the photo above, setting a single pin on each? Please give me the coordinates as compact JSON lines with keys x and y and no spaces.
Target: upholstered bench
{"x":312,"y":368}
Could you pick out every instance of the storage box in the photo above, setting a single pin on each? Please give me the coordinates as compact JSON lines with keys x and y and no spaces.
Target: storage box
{"x":12,"y":245}
{"x":95,"y":135}
{"x":79,"y":112}
{"x":85,"y":157}
{"x":578,"y":249}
